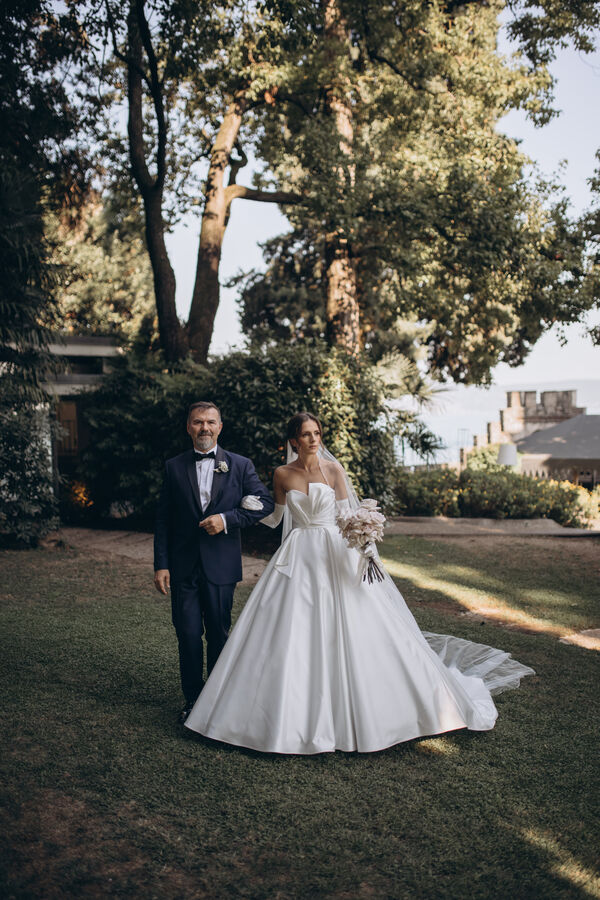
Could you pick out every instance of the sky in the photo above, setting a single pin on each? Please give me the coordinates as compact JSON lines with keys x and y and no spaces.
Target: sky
{"x":567,"y":145}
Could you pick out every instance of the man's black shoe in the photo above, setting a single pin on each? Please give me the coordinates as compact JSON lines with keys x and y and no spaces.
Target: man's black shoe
{"x":184,"y":714}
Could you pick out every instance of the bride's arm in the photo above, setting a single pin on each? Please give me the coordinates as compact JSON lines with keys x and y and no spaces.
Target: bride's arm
{"x":279,"y":491}
{"x":338,"y":482}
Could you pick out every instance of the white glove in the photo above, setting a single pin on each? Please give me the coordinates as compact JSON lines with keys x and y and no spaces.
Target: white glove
{"x":276,"y":516}
{"x":250,"y":501}
{"x":342,"y":505}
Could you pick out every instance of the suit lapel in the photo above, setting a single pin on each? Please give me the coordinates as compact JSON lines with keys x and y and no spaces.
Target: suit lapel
{"x":190,"y":465}
{"x":218,"y":482}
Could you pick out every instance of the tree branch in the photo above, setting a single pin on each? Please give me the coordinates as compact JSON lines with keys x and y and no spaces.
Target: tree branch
{"x":127,"y":60}
{"x":377,"y":57}
{"x":135,"y":120}
{"x":233,"y":191}
{"x":236,"y":164}
{"x":155,"y":92}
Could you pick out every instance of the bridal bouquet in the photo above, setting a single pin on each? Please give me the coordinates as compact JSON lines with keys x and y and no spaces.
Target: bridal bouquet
{"x":360,"y":529}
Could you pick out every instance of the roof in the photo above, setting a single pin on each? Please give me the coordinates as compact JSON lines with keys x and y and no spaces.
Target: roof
{"x":576,"y":438}
{"x":84,"y":345}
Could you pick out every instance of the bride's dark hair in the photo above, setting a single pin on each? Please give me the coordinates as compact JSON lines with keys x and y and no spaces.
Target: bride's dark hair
{"x":294,"y":426}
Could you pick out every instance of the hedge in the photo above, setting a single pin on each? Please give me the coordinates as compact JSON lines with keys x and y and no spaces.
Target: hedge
{"x":493,"y":494}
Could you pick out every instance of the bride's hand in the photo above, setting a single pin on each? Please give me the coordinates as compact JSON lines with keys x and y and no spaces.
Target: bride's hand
{"x":250,"y":501}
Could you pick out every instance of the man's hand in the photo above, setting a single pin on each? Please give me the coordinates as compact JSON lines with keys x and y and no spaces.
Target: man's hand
{"x":212,"y":524}
{"x":162,"y":580}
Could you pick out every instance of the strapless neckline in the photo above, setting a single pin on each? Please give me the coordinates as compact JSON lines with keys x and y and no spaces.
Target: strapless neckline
{"x":310,"y":484}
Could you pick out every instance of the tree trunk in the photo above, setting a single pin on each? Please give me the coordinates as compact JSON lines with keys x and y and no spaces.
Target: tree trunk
{"x":172,"y":337}
{"x":343,"y":314}
{"x":205,"y":298}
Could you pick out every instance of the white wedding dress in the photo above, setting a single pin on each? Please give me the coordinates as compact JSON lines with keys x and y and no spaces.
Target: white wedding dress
{"x":320,"y":661}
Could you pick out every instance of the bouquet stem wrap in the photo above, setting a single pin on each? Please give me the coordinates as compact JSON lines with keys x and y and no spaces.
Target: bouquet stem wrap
{"x":369,"y":569}
{"x":361,"y":528}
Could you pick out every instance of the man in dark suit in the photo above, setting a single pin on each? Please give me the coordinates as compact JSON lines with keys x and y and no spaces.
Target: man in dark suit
{"x":197,"y":547}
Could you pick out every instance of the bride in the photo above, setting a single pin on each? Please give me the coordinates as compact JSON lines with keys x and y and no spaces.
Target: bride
{"x":321,"y":661}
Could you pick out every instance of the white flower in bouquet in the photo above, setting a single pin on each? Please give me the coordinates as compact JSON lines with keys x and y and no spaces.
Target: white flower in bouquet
{"x":361,"y":528}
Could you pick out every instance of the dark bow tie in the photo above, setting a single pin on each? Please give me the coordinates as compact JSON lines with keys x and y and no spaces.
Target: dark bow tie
{"x":199,"y":456}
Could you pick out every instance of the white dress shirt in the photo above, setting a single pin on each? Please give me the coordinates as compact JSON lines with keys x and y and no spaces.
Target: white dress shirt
{"x":205,"y":469}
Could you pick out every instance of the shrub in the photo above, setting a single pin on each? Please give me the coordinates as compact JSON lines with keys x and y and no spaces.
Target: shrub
{"x":137,"y":419}
{"x":429,"y":492}
{"x":28,"y":507}
{"x":495,"y":494}
{"x":570,"y":504}
{"x":484,"y":459}
{"x":509,"y":495}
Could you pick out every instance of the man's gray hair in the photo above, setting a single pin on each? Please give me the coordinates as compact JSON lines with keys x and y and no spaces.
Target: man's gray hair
{"x":203,"y":404}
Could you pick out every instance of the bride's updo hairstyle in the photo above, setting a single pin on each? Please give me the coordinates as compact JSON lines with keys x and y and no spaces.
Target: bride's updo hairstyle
{"x":294,"y":426}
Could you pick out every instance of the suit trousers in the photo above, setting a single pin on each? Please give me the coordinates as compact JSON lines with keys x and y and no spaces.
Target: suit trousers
{"x":199,"y":606}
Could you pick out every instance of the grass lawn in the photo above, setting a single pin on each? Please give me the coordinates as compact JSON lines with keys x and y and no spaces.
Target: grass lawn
{"x":547,"y":585}
{"x":105,"y":796}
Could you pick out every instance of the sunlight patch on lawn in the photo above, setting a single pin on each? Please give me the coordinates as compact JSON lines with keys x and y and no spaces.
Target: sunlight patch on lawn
{"x":564,"y":864}
{"x":439,"y":745}
{"x":474,"y":600}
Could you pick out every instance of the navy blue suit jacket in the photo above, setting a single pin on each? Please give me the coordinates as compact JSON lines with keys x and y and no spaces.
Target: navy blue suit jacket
{"x":178,"y":541}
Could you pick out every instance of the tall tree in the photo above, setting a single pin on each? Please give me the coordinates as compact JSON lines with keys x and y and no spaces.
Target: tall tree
{"x":194,"y":71}
{"x":372,"y":121}
{"x":444,"y":225}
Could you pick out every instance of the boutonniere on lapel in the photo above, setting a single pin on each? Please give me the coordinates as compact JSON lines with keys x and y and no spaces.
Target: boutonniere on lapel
{"x":222,"y":467}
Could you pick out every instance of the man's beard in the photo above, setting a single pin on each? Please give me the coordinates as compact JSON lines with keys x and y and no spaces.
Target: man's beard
{"x":204,"y":442}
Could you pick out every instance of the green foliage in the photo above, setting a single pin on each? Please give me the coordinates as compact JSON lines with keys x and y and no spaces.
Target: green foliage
{"x":495,"y":494}
{"x":260,"y":390}
{"x":432,"y":200}
{"x":27,"y":307}
{"x":28,"y":508}
{"x":542,"y":26}
{"x":427,"y":492}
{"x":105,"y":275}
{"x":512,"y":496}
{"x":484,"y":459}
{"x":137,"y":419}
{"x":36,"y":169}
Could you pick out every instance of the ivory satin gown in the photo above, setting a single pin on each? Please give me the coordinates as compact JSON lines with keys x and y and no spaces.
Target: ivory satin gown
{"x":319,"y":661}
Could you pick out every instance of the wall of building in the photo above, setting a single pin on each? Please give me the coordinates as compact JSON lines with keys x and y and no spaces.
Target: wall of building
{"x":523,"y":414}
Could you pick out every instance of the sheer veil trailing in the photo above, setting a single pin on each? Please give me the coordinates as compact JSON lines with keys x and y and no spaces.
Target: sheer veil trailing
{"x":498,"y":670}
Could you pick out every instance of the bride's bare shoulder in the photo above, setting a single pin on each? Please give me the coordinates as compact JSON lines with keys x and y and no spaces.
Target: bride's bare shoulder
{"x":332,"y":467}
{"x":281,"y":474}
